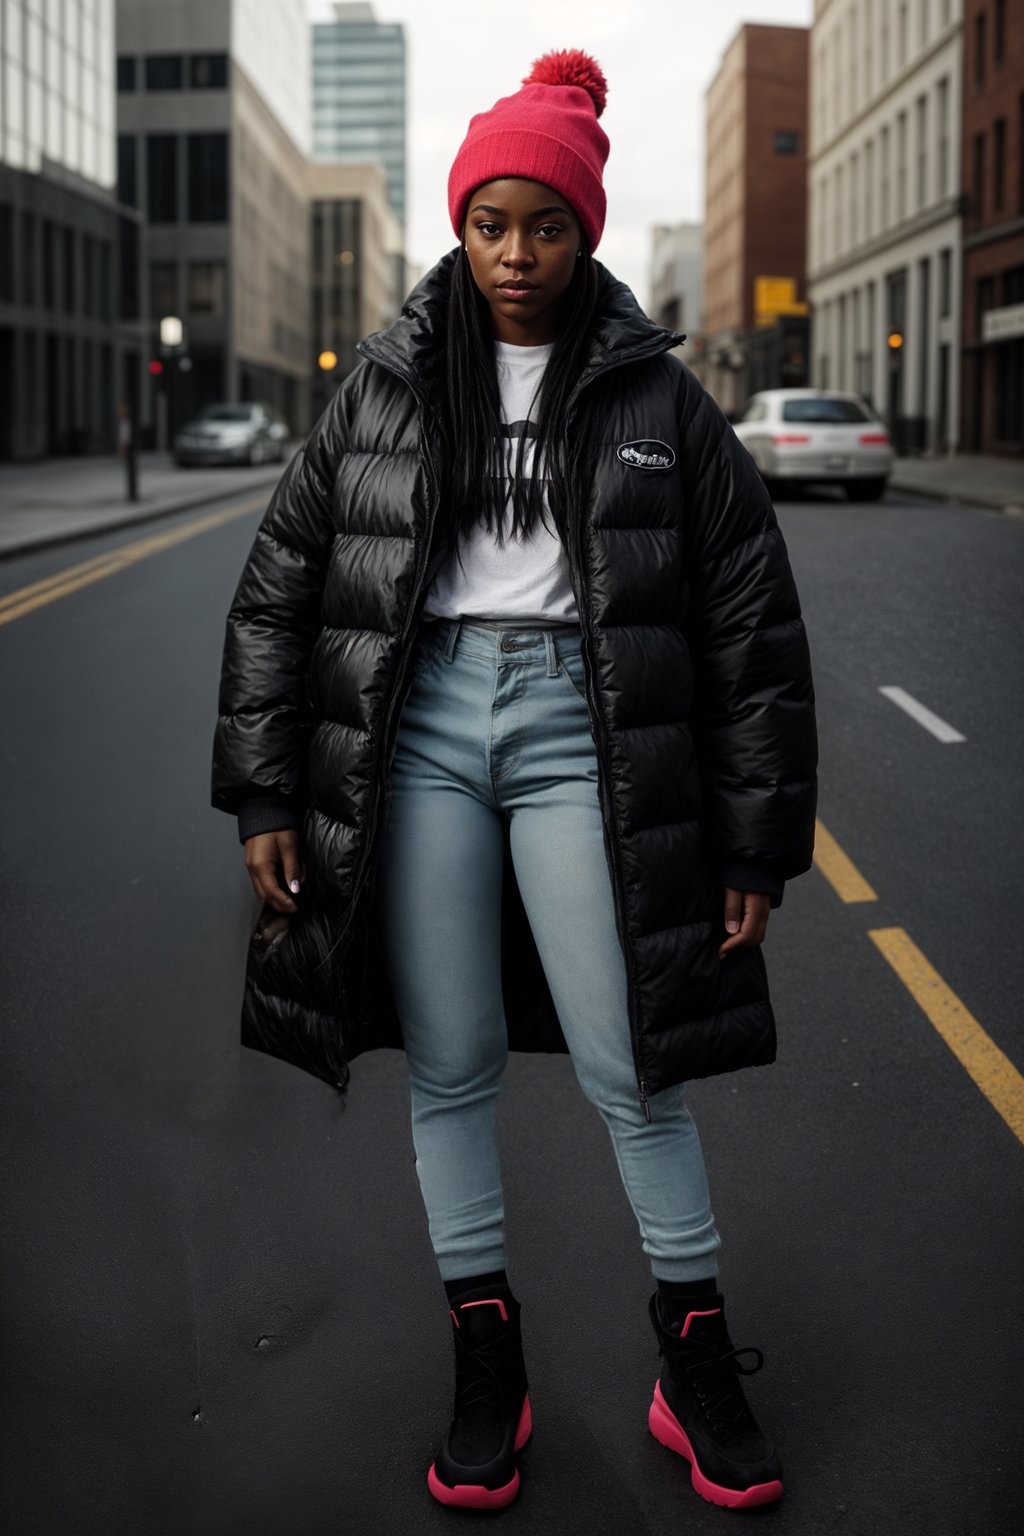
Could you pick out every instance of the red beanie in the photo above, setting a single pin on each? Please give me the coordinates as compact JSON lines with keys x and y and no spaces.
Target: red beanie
{"x":546,"y":132}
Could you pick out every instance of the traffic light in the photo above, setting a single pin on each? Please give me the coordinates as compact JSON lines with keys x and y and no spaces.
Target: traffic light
{"x":894,"y":339}
{"x":156,"y":367}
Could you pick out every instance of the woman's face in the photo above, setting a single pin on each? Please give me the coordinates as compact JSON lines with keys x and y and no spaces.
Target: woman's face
{"x":522,"y":240}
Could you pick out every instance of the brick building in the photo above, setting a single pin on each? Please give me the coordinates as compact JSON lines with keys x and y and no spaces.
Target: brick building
{"x":993,"y":241}
{"x":755,"y":215}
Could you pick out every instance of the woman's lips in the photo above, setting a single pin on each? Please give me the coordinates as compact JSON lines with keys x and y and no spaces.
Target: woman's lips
{"x":516,"y":290}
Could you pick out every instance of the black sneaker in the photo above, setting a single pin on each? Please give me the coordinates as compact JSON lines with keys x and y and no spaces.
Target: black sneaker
{"x":476,"y":1465}
{"x":700,"y":1411}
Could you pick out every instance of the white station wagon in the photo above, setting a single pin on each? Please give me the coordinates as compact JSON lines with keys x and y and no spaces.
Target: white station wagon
{"x":827,"y":436}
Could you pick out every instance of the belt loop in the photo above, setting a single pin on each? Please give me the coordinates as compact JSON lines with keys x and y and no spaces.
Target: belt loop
{"x":549,"y":646}
{"x":453,"y":635}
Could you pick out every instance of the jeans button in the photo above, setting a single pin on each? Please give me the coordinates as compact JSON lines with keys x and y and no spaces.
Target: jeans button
{"x":506,"y":645}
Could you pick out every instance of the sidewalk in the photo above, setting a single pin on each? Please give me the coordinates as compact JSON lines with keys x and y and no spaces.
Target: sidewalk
{"x":969,"y":477}
{"x":50,"y":501}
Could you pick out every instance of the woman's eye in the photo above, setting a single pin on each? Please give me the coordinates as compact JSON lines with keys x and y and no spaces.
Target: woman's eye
{"x":551,"y":229}
{"x":488,"y":229}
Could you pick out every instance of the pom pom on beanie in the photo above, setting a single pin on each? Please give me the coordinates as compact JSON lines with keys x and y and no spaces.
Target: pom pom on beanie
{"x":548,"y":131}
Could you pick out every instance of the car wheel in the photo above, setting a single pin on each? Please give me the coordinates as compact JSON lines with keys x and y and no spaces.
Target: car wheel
{"x":865,"y":490}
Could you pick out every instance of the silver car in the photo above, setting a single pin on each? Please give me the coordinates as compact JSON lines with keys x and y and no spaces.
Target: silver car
{"x":828,"y":436}
{"x":252,"y":433}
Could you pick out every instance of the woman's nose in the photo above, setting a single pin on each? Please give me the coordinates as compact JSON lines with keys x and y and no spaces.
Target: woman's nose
{"x":516,"y":254}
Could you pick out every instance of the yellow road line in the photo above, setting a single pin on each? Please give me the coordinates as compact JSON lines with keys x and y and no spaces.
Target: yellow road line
{"x":993,"y":1072}
{"x":840,"y":871}
{"x":27,"y":599}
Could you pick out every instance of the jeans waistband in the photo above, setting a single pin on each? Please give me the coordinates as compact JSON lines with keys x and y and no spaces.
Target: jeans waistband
{"x":493,"y":640}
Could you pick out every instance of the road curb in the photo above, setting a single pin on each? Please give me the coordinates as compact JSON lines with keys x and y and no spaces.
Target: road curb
{"x":954,"y":498}
{"x":141,"y":515}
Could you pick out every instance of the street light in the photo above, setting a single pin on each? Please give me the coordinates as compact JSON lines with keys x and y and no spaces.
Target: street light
{"x":171,"y":331}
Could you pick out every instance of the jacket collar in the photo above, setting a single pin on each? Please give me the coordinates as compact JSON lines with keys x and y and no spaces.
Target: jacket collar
{"x":413,"y":345}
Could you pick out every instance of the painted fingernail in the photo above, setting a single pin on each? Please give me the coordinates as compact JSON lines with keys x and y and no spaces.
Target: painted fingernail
{"x":294,"y":886}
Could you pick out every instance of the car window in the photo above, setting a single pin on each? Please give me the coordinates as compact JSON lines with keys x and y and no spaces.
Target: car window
{"x":823,"y":408}
{"x":757,"y":410}
{"x":226,"y":413}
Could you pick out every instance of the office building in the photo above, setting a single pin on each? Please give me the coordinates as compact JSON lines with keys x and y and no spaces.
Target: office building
{"x":885,"y":215}
{"x":213,"y":134}
{"x":675,"y":284}
{"x":754,"y":316}
{"x":993,"y":235}
{"x":359,"y":94}
{"x":356,"y":240}
{"x":64,"y":363}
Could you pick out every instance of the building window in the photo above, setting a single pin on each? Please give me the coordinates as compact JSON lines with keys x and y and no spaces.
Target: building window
{"x":69,"y":271}
{"x":945,"y":282}
{"x":207,"y":178}
{"x":979,"y":50}
{"x":163,"y":72}
{"x":28,"y":260}
{"x":128,"y":270}
{"x":901,"y":34}
{"x":901,"y":165}
{"x":979,"y":178}
{"x":886,"y":178}
{"x":50,"y":265}
{"x":88,"y":275}
{"x":162,"y":178}
{"x":869,"y":187}
{"x":922,"y":151}
{"x":999,"y":164}
{"x":125,"y":72}
{"x":206,"y":288}
{"x":942,"y":117}
{"x":985,"y":288}
{"x":6,"y":252}
{"x":999,"y":32}
{"x":787,"y":143}
{"x":208,"y":71}
{"x":163,"y":290}
{"x":105,"y":272}
{"x":127,"y":183}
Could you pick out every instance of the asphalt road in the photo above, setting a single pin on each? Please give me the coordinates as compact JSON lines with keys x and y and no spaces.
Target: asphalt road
{"x":221,"y":1312}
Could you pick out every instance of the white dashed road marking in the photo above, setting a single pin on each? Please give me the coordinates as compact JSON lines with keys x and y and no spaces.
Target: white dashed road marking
{"x":923,"y":716}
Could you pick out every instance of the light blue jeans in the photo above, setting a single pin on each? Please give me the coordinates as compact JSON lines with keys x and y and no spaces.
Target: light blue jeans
{"x":495,"y":727}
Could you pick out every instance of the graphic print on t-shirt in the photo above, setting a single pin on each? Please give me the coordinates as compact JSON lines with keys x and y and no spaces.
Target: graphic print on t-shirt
{"x":526,"y":577}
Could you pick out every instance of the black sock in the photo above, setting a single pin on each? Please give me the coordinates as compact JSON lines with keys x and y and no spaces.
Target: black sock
{"x":494,"y":1277}
{"x":686,"y":1288}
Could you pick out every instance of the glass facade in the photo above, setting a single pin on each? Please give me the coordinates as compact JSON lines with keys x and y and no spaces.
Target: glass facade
{"x":57,"y":87}
{"x":359,"y":98}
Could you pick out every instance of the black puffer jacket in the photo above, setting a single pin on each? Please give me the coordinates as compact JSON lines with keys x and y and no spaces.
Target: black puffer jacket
{"x":698,"y":681}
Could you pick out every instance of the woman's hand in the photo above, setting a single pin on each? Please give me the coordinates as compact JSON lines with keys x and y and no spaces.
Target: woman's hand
{"x":265,"y":855}
{"x":746,"y":917}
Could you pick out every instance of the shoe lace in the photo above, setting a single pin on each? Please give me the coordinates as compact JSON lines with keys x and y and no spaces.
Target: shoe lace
{"x":478,"y":1380}
{"x":714,"y":1376}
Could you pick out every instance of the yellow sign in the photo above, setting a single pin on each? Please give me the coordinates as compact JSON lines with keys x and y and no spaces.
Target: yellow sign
{"x":775,"y":296}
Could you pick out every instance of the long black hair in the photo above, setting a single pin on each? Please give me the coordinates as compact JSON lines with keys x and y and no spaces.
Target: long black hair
{"x":476,"y":488}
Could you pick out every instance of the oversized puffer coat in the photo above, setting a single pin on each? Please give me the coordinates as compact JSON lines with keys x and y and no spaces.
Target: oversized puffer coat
{"x":698,"y":684}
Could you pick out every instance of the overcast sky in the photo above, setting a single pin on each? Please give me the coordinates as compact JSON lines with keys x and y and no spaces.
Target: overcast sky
{"x":658,"y":56}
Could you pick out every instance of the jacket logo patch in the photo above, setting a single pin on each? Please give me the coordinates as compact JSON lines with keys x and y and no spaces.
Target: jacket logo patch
{"x":646,"y":453}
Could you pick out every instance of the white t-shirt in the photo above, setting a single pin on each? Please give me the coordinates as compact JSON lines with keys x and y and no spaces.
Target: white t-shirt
{"x":523,"y":578}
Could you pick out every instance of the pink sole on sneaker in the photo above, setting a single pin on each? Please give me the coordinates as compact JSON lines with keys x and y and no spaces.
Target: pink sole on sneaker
{"x":666,"y":1428}
{"x":475,"y":1495}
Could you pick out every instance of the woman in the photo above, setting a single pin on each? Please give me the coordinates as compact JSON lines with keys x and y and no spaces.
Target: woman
{"x":518,"y":651}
